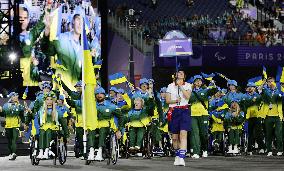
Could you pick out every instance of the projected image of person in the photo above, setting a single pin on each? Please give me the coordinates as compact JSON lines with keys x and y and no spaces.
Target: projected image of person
{"x":28,"y":38}
{"x":69,"y":51}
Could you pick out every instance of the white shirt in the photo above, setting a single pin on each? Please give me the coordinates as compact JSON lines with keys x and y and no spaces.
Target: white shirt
{"x":175,"y":94}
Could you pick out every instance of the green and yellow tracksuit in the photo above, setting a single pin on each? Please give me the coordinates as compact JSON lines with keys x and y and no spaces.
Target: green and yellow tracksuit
{"x":217,"y":108}
{"x":14,"y":115}
{"x":48,"y":125}
{"x":272,"y":107}
{"x":76,"y":103}
{"x":199,"y":119}
{"x":254,"y":118}
{"x":109,"y":118}
{"x":137,"y":122}
{"x":234,"y":125}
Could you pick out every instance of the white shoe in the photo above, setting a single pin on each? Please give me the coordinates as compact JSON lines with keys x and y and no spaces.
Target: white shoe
{"x":99,"y":156}
{"x":10,"y":157}
{"x":13,"y":156}
{"x":91,"y":154}
{"x":204,"y":154}
{"x":250,"y":153}
{"x":34,"y":153}
{"x":261,"y":151}
{"x":181,"y":162}
{"x":279,"y":153}
{"x":137,"y":148}
{"x":46,"y":152}
{"x":187,"y":155}
{"x":82,"y":158}
{"x":236,"y":149}
{"x":176,"y":163}
{"x":195,"y":156}
{"x":40,"y":155}
{"x":131,"y":148}
{"x":230,"y":151}
{"x":269,"y":154}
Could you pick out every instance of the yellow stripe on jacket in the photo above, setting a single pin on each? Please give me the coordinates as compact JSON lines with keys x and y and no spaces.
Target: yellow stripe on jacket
{"x":197,"y":109}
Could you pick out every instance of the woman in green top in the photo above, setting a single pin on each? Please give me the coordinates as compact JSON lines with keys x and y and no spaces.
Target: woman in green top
{"x":48,"y":119}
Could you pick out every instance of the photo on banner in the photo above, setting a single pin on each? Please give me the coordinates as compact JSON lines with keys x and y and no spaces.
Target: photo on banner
{"x":51,"y":40}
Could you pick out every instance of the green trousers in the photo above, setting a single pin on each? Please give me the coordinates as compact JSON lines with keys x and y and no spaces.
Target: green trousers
{"x":255,"y":133}
{"x":218,"y":136}
{"x":234,"y":136}
{"x":45,"y":138}
{"x":156,"y":133}
{"x":273,"y":123}
{"x":12,"y":135}
{"x":79,"y":137}
{"x":199,"y":134}
{"x":63,"y":123}
{"x":103,"y":132}
{"x":92,"y":139}
{"x":136,"y":135}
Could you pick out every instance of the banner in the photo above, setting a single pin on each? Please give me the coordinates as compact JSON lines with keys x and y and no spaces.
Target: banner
{"x":226,"y":56}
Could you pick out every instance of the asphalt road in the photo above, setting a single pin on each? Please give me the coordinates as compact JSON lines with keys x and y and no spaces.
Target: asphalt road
{"x":216,"y":163}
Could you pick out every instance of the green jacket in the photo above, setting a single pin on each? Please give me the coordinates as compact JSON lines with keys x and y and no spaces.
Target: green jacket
{"x":13,"y":113}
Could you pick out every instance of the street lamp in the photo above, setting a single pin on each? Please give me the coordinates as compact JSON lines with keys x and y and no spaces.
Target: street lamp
{"x":12,"y":57}
{"x":132,"y":23}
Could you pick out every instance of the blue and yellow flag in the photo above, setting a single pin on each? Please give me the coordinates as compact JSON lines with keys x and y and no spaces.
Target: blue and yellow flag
{"x":98,"y":64}
{"x":222,"y":105}
{"x":280,"y":74}
{"x":264,"y":72}
{"x":55,"y":26}
{"x":208,"y":77}
{"x":222,"y":76}
{"x":89,"y":78}
{"x":257,"y":80}
{"x":25,"y":95}
{"x":117,"y":78}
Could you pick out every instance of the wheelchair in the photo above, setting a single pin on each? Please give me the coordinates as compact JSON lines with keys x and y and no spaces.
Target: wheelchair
{"x":242,"y":147}
{"x":146,"y":148}
{"x":110,"y":151}
{"x":57,"y":146}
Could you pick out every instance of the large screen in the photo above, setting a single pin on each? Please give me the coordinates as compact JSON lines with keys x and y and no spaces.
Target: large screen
{"x":51,"y":39}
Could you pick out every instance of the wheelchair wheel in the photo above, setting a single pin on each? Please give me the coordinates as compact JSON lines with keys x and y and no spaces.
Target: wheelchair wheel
{"x":56,"y":149}
{"x":62,"y":153}
{"x":114,"y":148}
{"x":148,"y":146}
{"x":76,"y":148}
{"x":34,"y":160}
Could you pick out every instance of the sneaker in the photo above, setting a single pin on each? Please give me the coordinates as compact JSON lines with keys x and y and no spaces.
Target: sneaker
{"x":195,"y":156}
{"x":187,"y":155}
{"x":176,"y":163}
{"x":40,"y":155}
{"x":181,"y":162}
{"x":137,"y":148}
{"x":204,"y":154}
{"x":269,"y":154}
{"x":131,"y":148}
{"x":13,"y":156}
{"x":99,"y":156}
{"x":82,"y":158}
{"x":236,"y":149}
{"x":279,"y":153}
{"x":250,"y":153}
{"x":46,"y":152}
{"x":230,"y":151}
{"x":91,"y":154}
{"x":261,"y":151}
{"x":10,"y":157}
